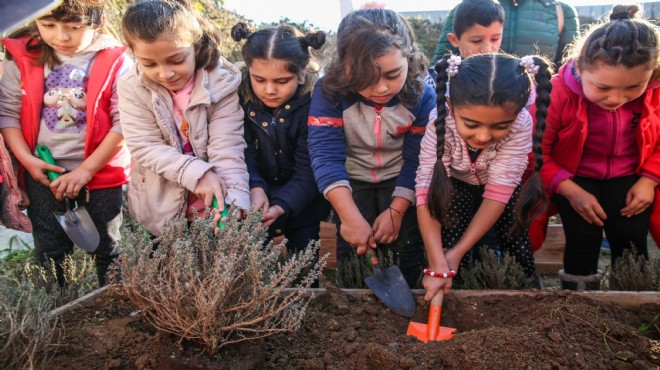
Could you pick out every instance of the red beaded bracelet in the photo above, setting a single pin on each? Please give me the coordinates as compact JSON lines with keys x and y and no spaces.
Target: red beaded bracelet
{"x":449,"y":274}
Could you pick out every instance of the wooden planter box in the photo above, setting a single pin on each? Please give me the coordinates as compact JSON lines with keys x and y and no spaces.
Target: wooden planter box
{"x":550,"y":258}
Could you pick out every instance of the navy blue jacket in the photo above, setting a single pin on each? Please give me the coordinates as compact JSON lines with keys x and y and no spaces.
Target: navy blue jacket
{"x":277,"y":156}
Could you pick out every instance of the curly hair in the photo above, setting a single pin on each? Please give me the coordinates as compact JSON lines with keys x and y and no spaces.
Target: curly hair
{"x":364,"y":36}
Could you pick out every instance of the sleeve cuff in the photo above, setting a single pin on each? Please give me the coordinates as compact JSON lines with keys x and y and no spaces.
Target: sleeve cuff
{"x":9,"y":122}
{"x":498,"y":193}
{"x":405,"y":193}
{"x":650,"y":176}
{"x":559,"y":177}
{"x":337,"y":184}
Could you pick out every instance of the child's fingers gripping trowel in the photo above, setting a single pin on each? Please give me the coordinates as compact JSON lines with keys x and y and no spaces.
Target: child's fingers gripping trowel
{"x":76,"y":221}
{"x":432,"y":330}
{"x":391,"y":287}
{"x":223,"y":214}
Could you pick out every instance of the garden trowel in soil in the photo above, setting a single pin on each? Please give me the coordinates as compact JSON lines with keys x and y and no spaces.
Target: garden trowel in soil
{"x":391,"y":287}
{"x":75,"y":221}
{"x":431,"y":330}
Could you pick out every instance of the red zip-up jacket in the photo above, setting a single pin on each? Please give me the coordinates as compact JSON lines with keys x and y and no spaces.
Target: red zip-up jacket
{"x":99,"y":121}
{"x":566,"y":134}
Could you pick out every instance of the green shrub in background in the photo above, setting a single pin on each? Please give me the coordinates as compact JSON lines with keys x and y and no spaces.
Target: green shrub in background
{"x":27,"y":332}
{"x":631,"y":272}
{"x":493,"y":272}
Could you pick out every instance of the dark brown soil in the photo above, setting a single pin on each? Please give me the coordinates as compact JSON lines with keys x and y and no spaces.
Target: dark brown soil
{"x":551,"y":330}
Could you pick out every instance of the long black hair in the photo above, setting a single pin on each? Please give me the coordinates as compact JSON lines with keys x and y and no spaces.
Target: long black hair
{"x":491,"y":80}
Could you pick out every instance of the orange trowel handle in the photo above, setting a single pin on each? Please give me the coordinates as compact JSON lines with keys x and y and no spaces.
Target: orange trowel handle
{"x":433,"y":325}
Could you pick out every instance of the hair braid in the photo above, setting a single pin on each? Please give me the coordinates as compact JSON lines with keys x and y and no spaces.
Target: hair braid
{"x":532,"y":199}
{"x":440,"y":189}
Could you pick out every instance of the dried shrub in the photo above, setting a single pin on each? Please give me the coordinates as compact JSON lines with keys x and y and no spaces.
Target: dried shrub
{"x":350,"y":273}
{"x":27,"y":332}
{"x":217,"y":290}
{"x":633,"y":272}
{"x":493,"y":272}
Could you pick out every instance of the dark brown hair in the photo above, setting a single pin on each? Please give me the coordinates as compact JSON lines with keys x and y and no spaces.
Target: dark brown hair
{"x":626,"y":39}
{"x":493,"y":80}
{"x":362,"y":37}
{"x":148,"y":20}
{"x":88,"y":12}
{"x":285,"y":43}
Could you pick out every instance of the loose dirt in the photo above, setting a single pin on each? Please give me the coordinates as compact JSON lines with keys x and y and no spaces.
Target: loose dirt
{"x":550,"y":330}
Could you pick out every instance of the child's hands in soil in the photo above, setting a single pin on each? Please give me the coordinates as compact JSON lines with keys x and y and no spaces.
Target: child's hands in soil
{"x":639,"y":197}
{"x":70,"y":184}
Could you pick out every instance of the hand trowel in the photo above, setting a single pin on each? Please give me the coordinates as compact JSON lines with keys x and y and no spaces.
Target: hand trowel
{"x":75,"y":221}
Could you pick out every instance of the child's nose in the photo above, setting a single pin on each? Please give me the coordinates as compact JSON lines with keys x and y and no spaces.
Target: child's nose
{"x":381,"y":86}
{"x":165,"y":73}
{"x":270,"y":88}
{"x":62,"y":34}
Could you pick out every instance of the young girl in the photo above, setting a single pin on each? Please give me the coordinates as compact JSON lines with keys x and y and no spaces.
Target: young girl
{"x":601,"y":153}
{"x":181,"y":116}
{"x":276,"y":93}
{"x":59,"y":89}
{"x":367,"y":119}
{"x":473,"y":158}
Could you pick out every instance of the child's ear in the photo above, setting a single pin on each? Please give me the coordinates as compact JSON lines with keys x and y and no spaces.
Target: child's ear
{"x":301,"y":80}
{"x":453,"y":40}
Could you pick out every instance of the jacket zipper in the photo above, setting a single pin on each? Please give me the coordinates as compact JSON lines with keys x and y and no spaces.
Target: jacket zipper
{"x":379,"y":160}
{"x":473,"y":166}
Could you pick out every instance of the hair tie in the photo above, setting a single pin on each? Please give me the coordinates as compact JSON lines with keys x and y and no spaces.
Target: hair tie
{"x":619,"y":16}
{"x":527,"y":62}
{"x":454,"y":61}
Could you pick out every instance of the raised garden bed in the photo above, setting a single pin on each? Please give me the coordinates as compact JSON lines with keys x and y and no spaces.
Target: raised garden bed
{"x":351,"y":329}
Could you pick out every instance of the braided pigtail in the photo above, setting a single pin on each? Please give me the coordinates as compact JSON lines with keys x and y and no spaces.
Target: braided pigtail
{"x":533,"y":198}
{"x":440,"y":190}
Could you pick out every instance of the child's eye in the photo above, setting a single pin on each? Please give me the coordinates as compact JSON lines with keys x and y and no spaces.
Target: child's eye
{"x":180,"y":61}
{"x":471,"y":126}
{"x":601,"y":88}
{"x":283,"y":81}
{"x":394,"y":77}
{"x":148,"y":65}
{"x":259,"y":80}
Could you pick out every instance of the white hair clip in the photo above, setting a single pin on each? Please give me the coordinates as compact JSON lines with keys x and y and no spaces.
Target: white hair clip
{"x":454,"y":61}
{"x":527,"y":62}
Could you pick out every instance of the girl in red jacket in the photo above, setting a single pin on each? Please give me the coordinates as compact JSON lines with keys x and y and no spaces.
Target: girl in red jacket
{"x":59,"y":89}
{"x":600,"y":149}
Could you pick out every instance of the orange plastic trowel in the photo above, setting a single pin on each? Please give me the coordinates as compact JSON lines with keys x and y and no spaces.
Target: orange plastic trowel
{"x":432,"y":330}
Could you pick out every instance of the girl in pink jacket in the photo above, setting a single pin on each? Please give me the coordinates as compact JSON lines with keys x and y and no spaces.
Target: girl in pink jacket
{"x":473,"y":158}
{"x":181,"y":116}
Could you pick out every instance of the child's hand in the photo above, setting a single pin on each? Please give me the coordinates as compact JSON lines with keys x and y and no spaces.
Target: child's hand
{"x":259,"y":200}
{"x":387,"y":226}
{"x":271,"y":215}
{"x":453,"y":257}
{"x":639,"y":197}
{"x":70,"y":184}
{"x":358,"y":234}
{"x":37,"y":169}
{"x":583,"y":202}
{"x":433,"y":284}
{"x":209,"y":186}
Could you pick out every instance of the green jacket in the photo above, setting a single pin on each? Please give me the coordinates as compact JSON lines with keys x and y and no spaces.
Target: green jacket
{"x":530,"y":27}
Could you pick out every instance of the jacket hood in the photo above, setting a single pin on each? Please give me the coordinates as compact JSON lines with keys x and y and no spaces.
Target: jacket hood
{"x":218,"y":83}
